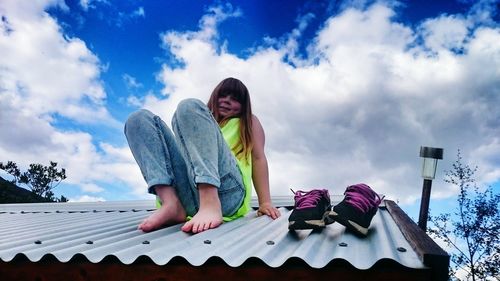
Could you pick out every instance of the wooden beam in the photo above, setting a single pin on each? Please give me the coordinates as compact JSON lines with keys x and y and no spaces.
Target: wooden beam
{"x":427,"y":250}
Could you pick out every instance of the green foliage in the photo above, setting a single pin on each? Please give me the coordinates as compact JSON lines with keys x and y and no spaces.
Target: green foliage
{"x":473,"y":230}
{"x":39,"y":178}
{"x":12,"y":169}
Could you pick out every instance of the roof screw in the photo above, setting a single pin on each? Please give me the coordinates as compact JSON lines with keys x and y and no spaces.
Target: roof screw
{"x":89,"y":242}
{"x":402,"y":249}
{"x":207,"y":242}
{"x":270,"y":242}
{"x":146,"y":242}
{"x":38,"y":242}
{"x":343,"y":244}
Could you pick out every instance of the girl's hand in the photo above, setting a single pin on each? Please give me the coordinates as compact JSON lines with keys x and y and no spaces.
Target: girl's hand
{"x":269,"y":210}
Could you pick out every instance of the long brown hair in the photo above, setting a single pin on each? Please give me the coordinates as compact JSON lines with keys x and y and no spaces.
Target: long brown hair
{"x":236,"y":89}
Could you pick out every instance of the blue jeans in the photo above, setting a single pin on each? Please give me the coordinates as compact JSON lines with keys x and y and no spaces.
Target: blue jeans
{"x":196,"y":154}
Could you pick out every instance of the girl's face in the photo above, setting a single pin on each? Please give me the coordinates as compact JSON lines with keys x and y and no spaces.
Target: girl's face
{"x":228,"y":106}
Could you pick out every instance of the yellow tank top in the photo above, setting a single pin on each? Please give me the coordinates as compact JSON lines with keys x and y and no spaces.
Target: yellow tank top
{"x":231,"y":133}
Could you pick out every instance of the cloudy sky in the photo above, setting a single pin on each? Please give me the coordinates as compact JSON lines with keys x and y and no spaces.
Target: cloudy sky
{"x":347,"y":91}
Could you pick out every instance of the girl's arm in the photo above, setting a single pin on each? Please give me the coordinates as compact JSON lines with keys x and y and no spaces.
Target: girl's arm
{"x":260,"y":172}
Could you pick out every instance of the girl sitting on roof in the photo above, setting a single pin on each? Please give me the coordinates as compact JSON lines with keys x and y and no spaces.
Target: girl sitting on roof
{"x":204,"y":171}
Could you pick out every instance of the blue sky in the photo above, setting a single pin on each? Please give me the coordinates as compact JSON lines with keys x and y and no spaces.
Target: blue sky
{"x":347,"y":91}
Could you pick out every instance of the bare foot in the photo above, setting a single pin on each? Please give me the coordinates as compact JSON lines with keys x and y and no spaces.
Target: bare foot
{"x":164,"y":216}
{"x":203,"y":220}
{"x":171,"y":212}
{"x":210,"y":213}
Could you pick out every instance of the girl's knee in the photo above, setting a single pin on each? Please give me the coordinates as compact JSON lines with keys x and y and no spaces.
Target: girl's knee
{"x":137,"y":119}
{"x":189,"y":106}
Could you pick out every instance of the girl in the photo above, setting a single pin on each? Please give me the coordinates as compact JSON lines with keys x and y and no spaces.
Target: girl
{"x":206,"y":169}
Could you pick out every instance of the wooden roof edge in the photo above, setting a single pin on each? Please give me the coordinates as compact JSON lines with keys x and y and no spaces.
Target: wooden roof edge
{"x":429,"y":252}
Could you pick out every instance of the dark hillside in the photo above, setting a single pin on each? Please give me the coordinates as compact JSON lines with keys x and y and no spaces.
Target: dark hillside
{"x":11,"y":193}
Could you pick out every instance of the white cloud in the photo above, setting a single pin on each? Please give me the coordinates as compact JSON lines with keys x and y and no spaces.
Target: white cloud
{"x":361,"y":103}
{"x":29,"y":9}
{"x":488,"y":160}
{"x":113,"y":14}
{"x":35,"y":55}
{"x":139,"y":13}
{"x":46,"y":76}
{"x":134,"y":101}
{"x":483,"y":12}
{"x":445,"y":33}
{"x":92,"y":188}
{"x":131,"y":82}
{"x":86,"y":198}
{"x":86,"y":4}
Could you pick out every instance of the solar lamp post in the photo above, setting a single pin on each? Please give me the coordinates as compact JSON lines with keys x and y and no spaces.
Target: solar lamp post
{"x":430,"y":156}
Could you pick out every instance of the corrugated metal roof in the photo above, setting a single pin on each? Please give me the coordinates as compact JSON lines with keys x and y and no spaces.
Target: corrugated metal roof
{"x":99,"y":230}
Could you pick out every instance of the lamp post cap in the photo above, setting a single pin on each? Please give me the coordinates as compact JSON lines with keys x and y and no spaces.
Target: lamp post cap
{"x":431,"y":152}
